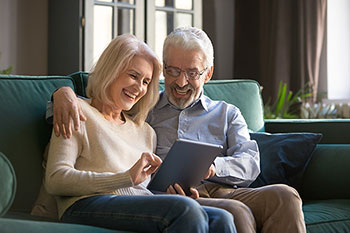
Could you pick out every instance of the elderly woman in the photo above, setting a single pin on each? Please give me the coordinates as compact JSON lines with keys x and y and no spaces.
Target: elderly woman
{"x":99,"y":176}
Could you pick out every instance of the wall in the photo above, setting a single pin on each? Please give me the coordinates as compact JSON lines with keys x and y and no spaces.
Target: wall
{"x":218,"y":23}
{"x":23,"y":36}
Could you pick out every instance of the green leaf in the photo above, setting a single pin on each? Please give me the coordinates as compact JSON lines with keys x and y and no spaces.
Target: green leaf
{"x":7,"y":71}
{"x":281,"y":99}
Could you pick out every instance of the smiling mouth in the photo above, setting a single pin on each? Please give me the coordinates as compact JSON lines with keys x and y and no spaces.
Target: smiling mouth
{"x":130,"y":95}
{"x":180,"y":92}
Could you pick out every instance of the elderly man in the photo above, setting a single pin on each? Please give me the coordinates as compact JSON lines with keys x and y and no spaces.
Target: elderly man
{"x":183,"y":111}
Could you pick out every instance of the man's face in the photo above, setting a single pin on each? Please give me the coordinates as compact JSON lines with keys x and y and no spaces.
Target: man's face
{"x":182,"y":91}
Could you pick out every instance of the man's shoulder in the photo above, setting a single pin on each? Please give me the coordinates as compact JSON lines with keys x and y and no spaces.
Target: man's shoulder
{"x":218,"y":103}
{"x":162,"y":101}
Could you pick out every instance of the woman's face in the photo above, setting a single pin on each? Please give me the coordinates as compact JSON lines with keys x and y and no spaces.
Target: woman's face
{"x":132,"y":84}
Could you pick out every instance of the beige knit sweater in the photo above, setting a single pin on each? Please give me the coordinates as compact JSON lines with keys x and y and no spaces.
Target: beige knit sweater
{"x":96,"y":159}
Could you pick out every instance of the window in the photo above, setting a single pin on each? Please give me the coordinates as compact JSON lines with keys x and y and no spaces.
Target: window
{"x":105,"y":19}
{"x":165,"y":15}
{"x":338,"y":50}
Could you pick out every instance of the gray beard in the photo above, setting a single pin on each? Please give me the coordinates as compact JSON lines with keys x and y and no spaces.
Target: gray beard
{"x":181,"y":104}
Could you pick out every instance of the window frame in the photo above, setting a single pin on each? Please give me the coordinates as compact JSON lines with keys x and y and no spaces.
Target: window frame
{"x":88,"y":42}
{"x":151,"y":9}
{"x":144,"y":22}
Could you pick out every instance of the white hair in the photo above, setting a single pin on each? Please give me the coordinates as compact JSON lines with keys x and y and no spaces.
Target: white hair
{"x":190,"y":38}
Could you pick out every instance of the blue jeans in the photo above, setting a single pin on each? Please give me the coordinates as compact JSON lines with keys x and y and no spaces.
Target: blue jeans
{"x":158,"y":213}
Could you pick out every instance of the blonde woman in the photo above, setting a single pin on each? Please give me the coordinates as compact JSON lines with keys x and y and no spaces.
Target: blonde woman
{"x":100,"y":174}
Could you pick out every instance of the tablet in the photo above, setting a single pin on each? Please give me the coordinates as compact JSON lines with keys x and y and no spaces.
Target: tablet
{"x":186,"y":164}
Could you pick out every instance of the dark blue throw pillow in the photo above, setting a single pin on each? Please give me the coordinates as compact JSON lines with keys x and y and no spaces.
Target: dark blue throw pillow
{"x":284,"y":157}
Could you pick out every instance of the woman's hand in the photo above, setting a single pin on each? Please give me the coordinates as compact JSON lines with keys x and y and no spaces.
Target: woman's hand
{"x":177,"y":189}
{"x":66,"y":109}
{"x":144,"y":167}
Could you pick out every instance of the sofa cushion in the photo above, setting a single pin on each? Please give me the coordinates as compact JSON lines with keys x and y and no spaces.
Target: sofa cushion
{"x":81,"y":80}
{"x":24,"y":131}
{"x":327,"y":216}
{"x":7,"y":184}
{"x":284,"y":157}
{"x":328,"y":174}
{"x":19,"y":225}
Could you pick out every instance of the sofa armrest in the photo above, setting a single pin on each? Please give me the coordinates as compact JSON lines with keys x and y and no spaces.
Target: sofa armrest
{"x":334,"y":131}
{"x":328,"y":175}
{"x":7,"y":184}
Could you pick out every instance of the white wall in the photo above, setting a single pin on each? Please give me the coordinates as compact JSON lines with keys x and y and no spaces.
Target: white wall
{"x":338,"y":50}
{"x":24,"y":36}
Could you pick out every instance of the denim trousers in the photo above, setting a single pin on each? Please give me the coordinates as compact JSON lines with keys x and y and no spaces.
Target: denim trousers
{"x":158,"y":213}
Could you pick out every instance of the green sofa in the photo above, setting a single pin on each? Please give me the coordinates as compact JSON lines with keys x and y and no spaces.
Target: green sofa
{"x":24,"y":134}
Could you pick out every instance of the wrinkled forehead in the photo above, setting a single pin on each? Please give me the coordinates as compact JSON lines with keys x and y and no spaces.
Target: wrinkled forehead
{"x":185,"y":58}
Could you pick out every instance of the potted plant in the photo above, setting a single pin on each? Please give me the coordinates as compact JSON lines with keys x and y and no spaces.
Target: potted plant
{"x":287,"y":105}
{"x":6,"y":71}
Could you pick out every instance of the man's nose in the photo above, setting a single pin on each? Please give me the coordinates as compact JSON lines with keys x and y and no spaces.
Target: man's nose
{"x":182,"y":81}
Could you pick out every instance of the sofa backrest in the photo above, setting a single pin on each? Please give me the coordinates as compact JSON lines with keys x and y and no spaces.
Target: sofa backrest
{"x":24,"y":132}
{"x":327,"y":175}
{"x":245,"y":94}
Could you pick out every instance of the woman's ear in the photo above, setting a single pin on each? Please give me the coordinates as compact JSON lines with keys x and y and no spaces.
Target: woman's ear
{"x":209,"y":74}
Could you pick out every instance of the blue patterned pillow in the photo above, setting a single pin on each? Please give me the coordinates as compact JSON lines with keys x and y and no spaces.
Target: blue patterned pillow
{"x":284,"y":157}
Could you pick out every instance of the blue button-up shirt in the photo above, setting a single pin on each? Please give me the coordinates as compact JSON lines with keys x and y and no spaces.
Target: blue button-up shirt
{"x":213,"y":122}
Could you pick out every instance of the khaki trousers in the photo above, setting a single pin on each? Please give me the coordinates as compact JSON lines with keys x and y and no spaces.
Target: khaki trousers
{"x":269,"y":209}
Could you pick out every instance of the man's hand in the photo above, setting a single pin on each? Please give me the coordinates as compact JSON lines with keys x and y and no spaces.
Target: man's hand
{"x":144,"y":167}
{"x":177,"y":189}
{"x":211,"y":172}
{"x":66,"y":109}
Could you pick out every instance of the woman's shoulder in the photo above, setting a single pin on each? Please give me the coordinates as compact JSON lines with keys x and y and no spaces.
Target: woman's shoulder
{"x":85,"y":106}
{"x":84,"y":103}
{"x":142,"y":126}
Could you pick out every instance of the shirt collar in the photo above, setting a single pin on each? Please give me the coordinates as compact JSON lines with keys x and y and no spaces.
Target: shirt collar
{"x":163,"y":101}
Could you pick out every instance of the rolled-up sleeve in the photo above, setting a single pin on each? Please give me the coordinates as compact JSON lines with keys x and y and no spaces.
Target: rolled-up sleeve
{"x":240,"y":165}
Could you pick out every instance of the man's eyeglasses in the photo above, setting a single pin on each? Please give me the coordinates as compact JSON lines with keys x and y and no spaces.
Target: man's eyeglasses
{"x":191,"y":74}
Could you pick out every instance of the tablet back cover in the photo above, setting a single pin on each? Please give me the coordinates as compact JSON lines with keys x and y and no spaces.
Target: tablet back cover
{"x":186,"y":163}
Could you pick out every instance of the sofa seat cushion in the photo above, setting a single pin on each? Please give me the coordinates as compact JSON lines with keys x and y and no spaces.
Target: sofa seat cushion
{"x":328,"y":216}
{"x":17,"y":226}
{"x":7,"y":184}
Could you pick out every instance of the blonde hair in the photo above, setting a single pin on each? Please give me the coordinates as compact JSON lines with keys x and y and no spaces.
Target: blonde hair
{"x":115,"y":59}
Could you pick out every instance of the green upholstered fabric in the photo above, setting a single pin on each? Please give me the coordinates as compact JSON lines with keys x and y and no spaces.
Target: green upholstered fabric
{"x":26,"y":226}
{"x":328,"y":216}
{"x":81,"y":80}
{"x":24,"y":131}
{"x":7,"y":184}
{"x":328,"y":173}
{"x":334,"y":131}
{"x":245,"y":94}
